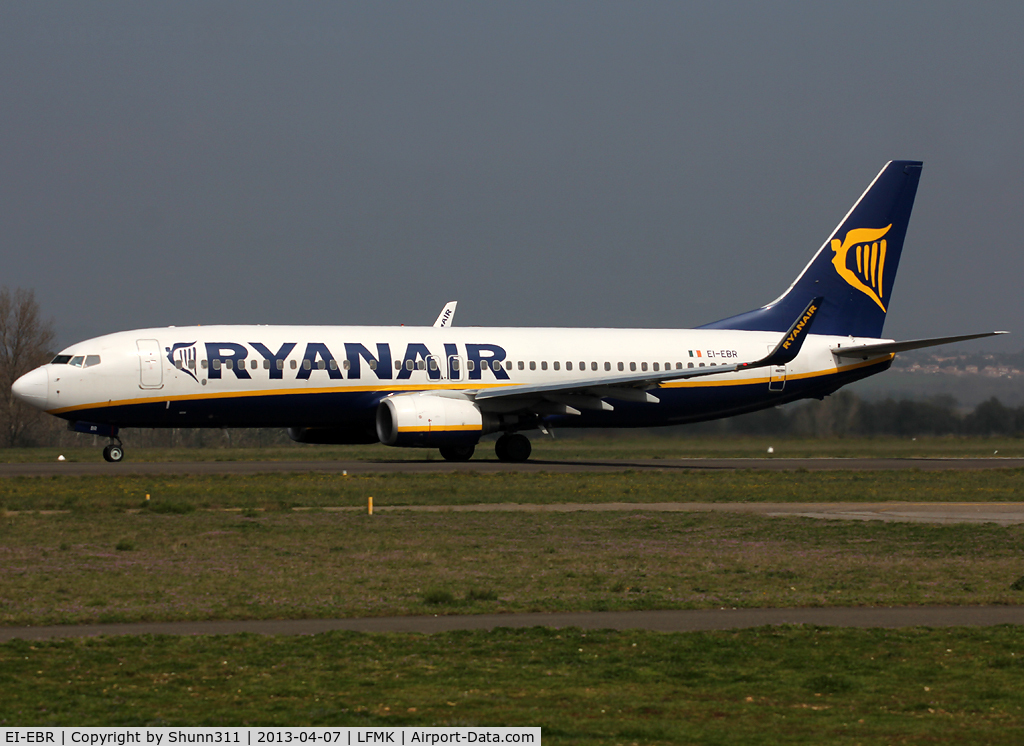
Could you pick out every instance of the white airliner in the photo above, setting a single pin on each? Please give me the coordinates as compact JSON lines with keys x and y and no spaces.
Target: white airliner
{"x":445,"y":387}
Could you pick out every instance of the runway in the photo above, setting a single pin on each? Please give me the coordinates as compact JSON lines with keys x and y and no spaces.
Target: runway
{"x":491,"y":466}
{"x":658,"y":621}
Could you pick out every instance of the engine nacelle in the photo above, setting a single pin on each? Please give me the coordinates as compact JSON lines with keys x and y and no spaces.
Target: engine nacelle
{"x":431,"y":421}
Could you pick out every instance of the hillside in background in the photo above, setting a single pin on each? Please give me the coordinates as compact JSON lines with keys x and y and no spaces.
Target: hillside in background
{"x":969,"y":378}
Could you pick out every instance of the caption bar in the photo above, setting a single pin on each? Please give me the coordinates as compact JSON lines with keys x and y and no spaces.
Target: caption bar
{"x":258,"y":736}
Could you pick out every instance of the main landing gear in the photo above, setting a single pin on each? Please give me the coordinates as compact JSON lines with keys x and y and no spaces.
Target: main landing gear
{"x":513,"y":447}
{"x":113,"y":452}
{"x":457,"y":453}
{"x":509,"y":447}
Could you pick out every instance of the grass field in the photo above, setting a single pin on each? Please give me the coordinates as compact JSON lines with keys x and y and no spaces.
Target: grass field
{"x":170,"y":560}
{"x":236,"y":547}
{"x":568,"y":446}
{"x":282,"y":491}
{"x":779,"y":685}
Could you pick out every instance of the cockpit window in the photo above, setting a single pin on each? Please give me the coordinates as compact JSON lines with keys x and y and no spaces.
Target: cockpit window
{"x":61,"y":360}
{"x":91,"y":360}
{"x":77,"y":361}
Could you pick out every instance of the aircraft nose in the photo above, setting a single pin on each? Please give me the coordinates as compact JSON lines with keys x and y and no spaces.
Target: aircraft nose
{"x":33,"y":387}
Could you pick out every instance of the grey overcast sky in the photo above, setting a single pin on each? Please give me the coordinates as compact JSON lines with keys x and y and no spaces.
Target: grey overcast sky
{"x":545,"y":164}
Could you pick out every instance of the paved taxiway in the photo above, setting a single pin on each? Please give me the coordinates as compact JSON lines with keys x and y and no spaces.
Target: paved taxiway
{"x":492,"y":466}
{"x":658,"y":621}
{"x":1004,"y":514}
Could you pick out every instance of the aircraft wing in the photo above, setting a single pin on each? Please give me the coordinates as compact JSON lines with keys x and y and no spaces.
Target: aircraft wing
{"x":569,"y":397}
{"x":865,"y":351}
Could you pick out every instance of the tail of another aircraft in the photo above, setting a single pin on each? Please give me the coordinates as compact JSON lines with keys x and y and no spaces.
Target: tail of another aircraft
{"x":854,"y":271}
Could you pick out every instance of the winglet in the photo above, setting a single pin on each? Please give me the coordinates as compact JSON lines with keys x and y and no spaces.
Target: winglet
{"x":792,"y":341}
{"x":447,"y":314}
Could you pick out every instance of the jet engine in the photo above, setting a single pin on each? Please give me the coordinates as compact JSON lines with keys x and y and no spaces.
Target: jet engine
{"x":431,"y":421}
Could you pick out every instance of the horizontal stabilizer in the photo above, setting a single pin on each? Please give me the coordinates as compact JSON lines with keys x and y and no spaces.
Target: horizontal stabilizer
{"x":884,"y":348}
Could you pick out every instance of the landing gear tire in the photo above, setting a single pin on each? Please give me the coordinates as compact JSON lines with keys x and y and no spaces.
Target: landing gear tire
{"x":513,"y":447}
{"x":113,"y":453}
{"x":457,"y":453}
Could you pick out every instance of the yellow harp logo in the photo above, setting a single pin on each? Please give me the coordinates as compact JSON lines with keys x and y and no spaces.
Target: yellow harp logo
{"x":868,"y":245}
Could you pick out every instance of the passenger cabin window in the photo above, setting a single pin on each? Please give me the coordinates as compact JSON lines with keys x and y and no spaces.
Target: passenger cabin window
{"x":293,"y":364}
{"x":621,"y":366}
{"x":61,"y":360}
{"x":508,"y":365}
{"x":521,"y":365}
{"x":543,"y":364}
{"x":689,"y":365}
{"x":657,"y":366}
{"x":470,"y":365}
{"x":533,"y":365}
{"x":557,"y":365}
{"x":433,"y":364}
{"x":398,"y":365}
{"x":373,"y":365}
{"x":266,"y":364}
{"x":643,"y":366}
{"x":568,"y":366}
{"x":679,"y":366}
{"x":307,"y":365}
{"x":177,"y":364}
{"x":204,"y":365}
{"x":421,"y":365}
{"x":632,"y":366}
{"x":607,"y":366}
{"x":593,"y":366}
{"x":409,"y":365}
{"x":229,"y":364}
{"x":254,"y":364}
{"x":484,"y":365}
{"x":583,"y":366}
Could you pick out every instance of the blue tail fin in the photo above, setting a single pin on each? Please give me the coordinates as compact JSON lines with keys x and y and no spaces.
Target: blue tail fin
{"x":854,"y":270}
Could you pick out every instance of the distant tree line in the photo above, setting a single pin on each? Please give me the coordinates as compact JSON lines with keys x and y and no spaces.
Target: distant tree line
{"x":846,"y":414}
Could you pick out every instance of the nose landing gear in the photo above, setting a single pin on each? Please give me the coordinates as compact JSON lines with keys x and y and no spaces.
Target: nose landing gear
{"x":113,"y":452}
